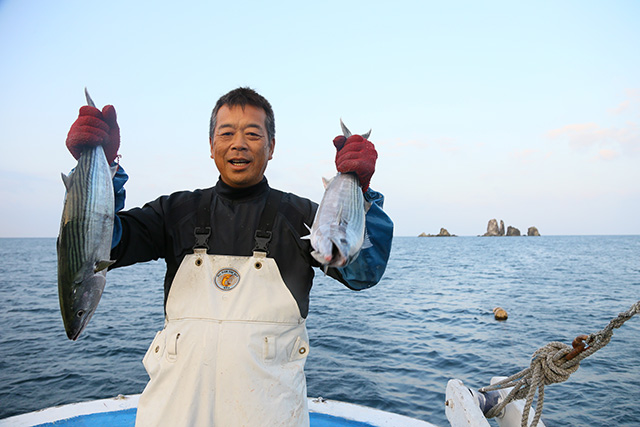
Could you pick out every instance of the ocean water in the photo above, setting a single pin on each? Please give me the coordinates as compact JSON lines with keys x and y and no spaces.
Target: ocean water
{"x":392,"y":347}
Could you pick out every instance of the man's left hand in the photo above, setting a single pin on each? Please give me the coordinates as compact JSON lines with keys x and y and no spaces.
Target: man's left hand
{"x":358,"y":155}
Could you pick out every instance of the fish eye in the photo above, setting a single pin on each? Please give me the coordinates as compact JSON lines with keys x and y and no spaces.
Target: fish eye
{"x":80,"y":313}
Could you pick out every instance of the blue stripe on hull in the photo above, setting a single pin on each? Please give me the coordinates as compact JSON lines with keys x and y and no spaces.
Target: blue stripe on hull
{"x":127,"y":418}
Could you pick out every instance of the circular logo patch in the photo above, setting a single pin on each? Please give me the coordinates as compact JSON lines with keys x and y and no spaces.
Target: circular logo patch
{"x":227,"y":279}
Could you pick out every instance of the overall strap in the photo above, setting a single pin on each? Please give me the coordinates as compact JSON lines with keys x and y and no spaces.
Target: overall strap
{"x":263,"y":233}
{"x":202,"y":232}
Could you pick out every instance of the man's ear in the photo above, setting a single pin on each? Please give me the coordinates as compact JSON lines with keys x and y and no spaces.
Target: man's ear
{"x":271,"y":149}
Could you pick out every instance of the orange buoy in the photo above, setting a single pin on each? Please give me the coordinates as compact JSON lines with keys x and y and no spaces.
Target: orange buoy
{"x":500,"y":314}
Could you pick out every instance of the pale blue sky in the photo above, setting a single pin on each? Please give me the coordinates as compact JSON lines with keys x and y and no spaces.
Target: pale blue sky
{"x":525,"y":112}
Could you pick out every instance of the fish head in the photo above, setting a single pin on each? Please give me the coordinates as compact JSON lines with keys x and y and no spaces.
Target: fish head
{"x":79,"y":300}
{"x":343,"y":252}
{"x":331,"y":252}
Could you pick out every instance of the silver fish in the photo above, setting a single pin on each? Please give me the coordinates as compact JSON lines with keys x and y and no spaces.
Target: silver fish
{"x":84,"y":241}
{"x":337,"y":233}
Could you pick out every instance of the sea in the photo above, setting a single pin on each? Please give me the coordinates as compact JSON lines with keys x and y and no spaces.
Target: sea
{"x":393,"y":347}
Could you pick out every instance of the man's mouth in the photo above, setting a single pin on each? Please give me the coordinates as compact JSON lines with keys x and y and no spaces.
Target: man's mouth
{"x":239,"y":162}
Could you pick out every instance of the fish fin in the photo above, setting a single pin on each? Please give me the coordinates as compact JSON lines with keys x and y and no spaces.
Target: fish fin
{"x":67,"y":180}
{"x":89,"y":100}
{"x":102,"y":265}
{"x":308,"y":236}
{"x":346,"y":132}
{"x":366,"y":242}
{"x":325,"y":182}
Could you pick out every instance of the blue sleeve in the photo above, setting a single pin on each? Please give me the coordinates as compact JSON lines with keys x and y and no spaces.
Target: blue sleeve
{"x":367,"y":269}
{"x":119,"y":179}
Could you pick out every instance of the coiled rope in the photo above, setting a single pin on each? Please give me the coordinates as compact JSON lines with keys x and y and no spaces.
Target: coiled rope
{"x":553,"y":363}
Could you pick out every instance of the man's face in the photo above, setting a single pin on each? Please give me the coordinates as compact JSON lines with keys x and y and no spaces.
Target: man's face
{"x":240,"y":145}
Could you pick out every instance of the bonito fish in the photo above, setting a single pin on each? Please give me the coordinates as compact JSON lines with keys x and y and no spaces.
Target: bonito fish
{"x":84,"y":242}
{"x":337,"y":233}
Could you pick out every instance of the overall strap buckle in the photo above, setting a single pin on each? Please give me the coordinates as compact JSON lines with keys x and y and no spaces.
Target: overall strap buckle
{"x":263,"y":233}
{"x":202,"y":231}
{"x":202,"y":235}
{"x":262,"y":239}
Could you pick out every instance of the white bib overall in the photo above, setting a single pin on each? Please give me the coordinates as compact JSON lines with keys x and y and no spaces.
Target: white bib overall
{"x":232,"y":351}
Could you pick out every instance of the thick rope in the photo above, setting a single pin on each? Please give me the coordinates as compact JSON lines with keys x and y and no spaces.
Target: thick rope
{"x":553,"y":363}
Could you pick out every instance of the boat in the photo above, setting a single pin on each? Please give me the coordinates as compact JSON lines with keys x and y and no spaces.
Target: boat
{"x":463,"y":407}
{"x":120,"y":411}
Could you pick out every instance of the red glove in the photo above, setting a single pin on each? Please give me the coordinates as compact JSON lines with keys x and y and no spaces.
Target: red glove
{"x":92,"y":128}
{"x":358,"y":155}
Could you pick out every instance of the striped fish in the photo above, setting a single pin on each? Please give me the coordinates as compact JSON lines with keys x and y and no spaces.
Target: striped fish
{"x":338,"y":231}
{"x":84,"y":241}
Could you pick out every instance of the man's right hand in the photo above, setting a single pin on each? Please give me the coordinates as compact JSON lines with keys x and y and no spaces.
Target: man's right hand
{"x":358,"y":155}
{"x":92,"y":128}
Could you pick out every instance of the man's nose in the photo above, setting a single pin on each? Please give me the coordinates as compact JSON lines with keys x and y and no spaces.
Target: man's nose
{"x":239,"y":142}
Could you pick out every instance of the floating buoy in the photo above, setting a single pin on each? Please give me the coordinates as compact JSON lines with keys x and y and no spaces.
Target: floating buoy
{"x":500,"y":314}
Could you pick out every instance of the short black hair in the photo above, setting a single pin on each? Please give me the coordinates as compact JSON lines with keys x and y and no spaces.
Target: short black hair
{"x":243,"y":96}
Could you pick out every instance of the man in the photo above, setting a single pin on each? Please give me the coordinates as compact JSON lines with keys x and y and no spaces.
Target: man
{"x":234,"y":345}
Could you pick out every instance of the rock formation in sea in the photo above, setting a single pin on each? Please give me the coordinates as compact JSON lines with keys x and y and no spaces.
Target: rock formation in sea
{"x":493,"y":229}
{"x":512,"y":231}
{"x":443,"y":233}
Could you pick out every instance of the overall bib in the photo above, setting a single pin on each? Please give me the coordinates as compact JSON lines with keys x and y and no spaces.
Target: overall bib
{"x":233,"y":348}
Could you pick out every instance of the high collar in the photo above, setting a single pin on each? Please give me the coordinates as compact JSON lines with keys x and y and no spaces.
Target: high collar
{"x":232,"y":193}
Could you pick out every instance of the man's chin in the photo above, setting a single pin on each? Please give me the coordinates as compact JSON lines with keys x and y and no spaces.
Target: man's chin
{"x":239,"y":181}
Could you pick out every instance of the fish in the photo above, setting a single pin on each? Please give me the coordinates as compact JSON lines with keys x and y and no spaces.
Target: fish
{"x":84,"y":241}
{"x":338,"y":230}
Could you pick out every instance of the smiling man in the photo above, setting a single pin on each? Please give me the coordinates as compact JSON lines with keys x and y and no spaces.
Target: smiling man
{"x":234,"y":344}
{"x":241,"y":145}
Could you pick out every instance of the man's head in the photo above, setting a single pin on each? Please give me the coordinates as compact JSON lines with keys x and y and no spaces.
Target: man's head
{"x":242,"y":137}
{"x":242,"y":97}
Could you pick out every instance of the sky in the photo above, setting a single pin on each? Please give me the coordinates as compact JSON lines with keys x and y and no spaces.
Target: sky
{"x":526,"y":112}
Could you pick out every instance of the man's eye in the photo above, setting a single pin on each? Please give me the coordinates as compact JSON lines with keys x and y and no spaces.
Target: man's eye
{"x":253,"y":135}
